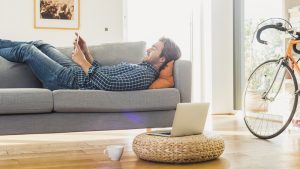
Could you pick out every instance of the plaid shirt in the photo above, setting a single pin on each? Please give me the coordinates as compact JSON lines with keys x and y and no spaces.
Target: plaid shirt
{"x":121,"y":77}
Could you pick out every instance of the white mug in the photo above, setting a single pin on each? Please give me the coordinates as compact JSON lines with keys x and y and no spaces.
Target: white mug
{"x":114,"y":152}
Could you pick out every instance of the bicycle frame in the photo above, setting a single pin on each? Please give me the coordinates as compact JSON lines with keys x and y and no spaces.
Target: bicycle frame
{"x":264,"y":96}
{"x":290,"y":56}
{"x":294,"y":64}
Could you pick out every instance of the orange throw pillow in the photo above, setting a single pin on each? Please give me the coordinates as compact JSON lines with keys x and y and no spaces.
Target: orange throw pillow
{"x":165,"y":79}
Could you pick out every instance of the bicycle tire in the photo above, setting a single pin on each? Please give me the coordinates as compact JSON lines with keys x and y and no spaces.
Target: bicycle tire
{"x":252,"y":115}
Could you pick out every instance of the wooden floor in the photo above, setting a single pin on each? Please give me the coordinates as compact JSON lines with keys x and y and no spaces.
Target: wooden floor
{"x":85,"y":150}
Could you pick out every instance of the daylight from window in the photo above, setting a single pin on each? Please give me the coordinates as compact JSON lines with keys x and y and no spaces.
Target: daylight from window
{"x":148,"y":20}
{"x":256,"y":11}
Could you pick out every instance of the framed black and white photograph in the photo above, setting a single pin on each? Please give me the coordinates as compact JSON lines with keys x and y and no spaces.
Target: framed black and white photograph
{"x":57,"y":14}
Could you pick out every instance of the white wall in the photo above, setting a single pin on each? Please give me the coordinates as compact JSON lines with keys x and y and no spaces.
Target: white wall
{"x":217,"y":45}
{"x":16,"y":18}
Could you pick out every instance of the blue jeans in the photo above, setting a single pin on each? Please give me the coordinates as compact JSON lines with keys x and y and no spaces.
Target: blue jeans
{"x":50,"y":66}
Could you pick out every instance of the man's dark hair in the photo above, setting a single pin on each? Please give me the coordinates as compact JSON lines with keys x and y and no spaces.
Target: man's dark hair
{"x":170,"y":51}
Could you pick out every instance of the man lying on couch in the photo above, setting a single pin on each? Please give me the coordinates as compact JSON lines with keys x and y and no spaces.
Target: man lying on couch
{"x":57,"y":71}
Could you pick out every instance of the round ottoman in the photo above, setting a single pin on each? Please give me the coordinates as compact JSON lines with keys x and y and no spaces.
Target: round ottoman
{"x":187,"y":149}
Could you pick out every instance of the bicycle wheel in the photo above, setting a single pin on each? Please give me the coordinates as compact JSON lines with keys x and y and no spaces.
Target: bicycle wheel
{"x":270,"y":99}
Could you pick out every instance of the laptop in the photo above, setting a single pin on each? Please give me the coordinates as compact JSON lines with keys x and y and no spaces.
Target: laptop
{"x":189,"y":119}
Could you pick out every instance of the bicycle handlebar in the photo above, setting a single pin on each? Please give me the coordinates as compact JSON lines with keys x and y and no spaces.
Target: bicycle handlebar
{"x":277,"y":26}
{"x":295,"y":49}
{"x":295,"y":45}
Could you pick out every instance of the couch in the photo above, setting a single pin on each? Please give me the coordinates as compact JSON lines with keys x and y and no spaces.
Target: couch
{"x":27,"y":108}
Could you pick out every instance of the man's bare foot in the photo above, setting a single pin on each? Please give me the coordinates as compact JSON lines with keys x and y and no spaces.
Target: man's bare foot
{"x":81,"y":42}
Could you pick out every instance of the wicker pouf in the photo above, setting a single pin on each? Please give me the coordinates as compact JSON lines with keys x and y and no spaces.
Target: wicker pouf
{"x":187,"y":149}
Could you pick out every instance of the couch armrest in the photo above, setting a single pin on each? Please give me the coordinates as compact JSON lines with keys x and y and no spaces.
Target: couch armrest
{"x":183,"y":79}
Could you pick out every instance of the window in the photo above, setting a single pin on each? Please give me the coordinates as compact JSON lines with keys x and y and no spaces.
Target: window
{"x":248,"y":53}
{"x":148,"y":20}
{"x":256,"y":53}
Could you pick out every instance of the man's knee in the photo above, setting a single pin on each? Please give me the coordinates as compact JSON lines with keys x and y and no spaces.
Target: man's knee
{"x":40,"y":43}
{"x":26,"y":47}
{"x":24,"y":50}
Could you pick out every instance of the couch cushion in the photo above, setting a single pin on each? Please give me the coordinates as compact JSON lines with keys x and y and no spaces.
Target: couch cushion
{"x":23,"y":100}
{"x":17,"y":75}
{"x":114,"y":53}
{"x":111,"y":101}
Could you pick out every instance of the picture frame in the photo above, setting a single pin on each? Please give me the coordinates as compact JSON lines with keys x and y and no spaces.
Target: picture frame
{"x":57,"y":14}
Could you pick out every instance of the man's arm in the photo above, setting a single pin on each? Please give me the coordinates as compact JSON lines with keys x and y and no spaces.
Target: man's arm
{"x":132,"y":80}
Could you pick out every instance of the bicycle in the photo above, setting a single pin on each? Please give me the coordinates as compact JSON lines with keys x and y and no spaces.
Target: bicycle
{"x":271,"y":95}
